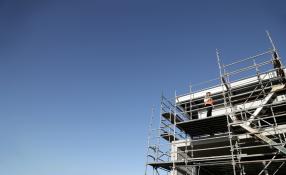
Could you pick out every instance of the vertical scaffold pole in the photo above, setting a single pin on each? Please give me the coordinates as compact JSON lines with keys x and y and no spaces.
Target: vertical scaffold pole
{"x":159,"y":130}
{"x":191,"y":117}
{"x":271,"y":41}
{"x":190,"y":110}
{"x":282,"y":67}
{"x":150,"y":131}
{"x":273,"y":46}
{"x":225,"y":105}
{"x":174,"y":151}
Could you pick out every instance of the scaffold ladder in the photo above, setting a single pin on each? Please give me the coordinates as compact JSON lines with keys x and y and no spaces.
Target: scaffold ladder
{"x":267,"y":100}
{"x":263,"y":137}
{"x":246,"y":125}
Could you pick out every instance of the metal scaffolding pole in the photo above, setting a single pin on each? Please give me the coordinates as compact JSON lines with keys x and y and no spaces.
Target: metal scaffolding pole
{"x":224,"y":86}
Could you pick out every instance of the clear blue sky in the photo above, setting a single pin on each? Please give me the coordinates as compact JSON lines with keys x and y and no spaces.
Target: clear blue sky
{"x":78,"y":78}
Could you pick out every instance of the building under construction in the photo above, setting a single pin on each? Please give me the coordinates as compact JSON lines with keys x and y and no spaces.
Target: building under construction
{"x":245,"y":133}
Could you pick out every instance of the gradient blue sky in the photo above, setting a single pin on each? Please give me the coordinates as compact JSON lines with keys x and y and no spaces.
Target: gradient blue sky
{"x":78,"y":78}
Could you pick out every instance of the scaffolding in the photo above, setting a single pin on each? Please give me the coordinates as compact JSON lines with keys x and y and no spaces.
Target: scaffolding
{"x":245,"y":134}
